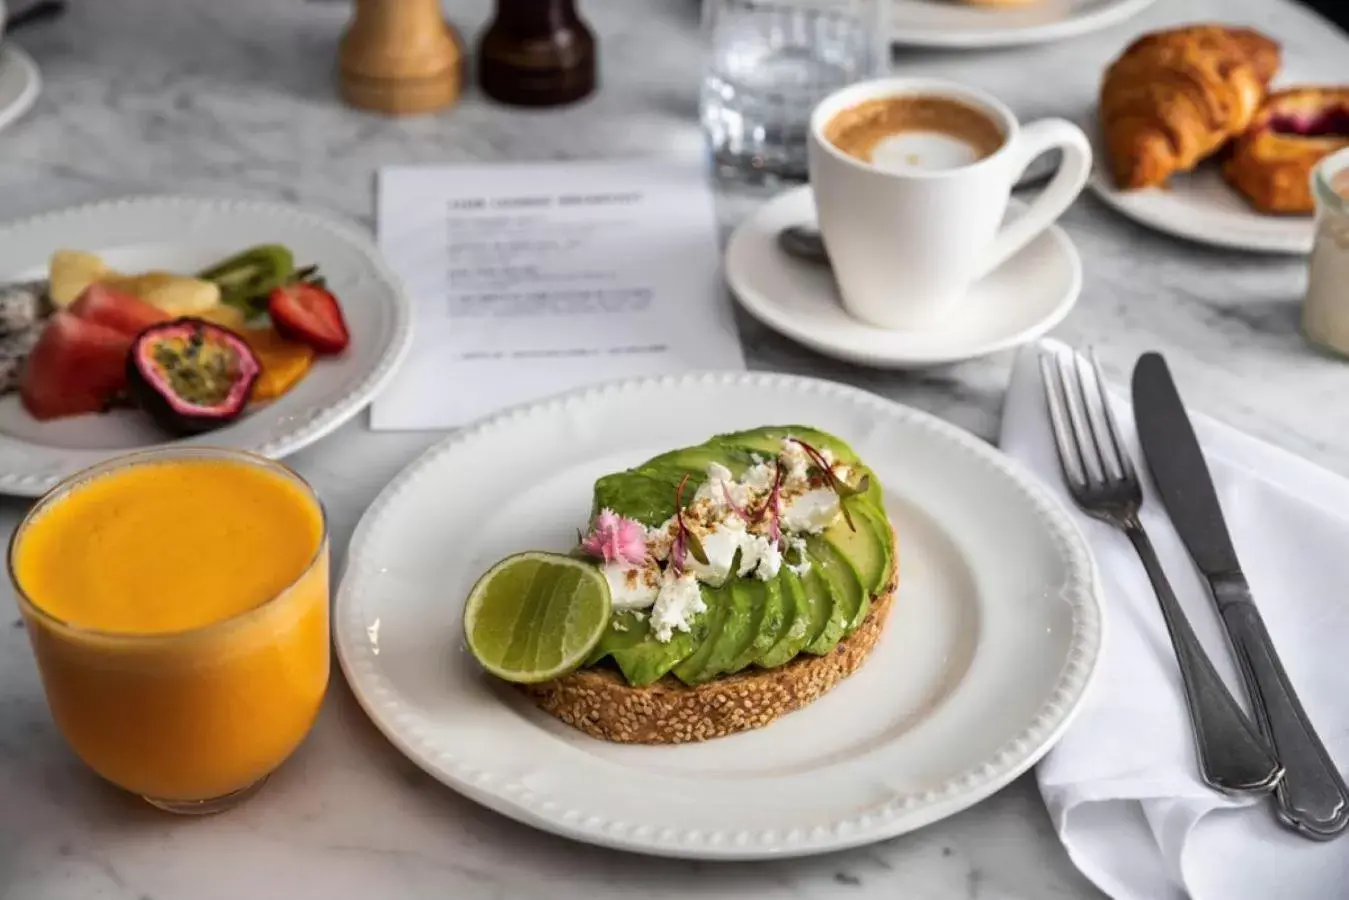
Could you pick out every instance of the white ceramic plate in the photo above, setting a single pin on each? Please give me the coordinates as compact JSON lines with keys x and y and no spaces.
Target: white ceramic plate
{"x":964,"y":24}
{"x":20,"y":82}
{"x":186,"y":234}
{"x":1021,"y":300}
{"x":990,"y":645}
{"x":1199,"y":206}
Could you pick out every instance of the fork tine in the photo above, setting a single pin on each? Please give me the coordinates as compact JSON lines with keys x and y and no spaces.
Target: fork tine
{"x":1098,"y":413}
{"x":1069,"y":456}
{"x":1086,"y":441}
{"x":1121,"y":451}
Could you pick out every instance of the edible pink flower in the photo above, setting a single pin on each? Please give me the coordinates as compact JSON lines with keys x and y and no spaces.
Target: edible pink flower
{"x":616,"y":538}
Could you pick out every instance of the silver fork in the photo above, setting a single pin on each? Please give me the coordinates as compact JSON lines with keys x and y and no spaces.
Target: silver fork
{"x":1233,"y":757}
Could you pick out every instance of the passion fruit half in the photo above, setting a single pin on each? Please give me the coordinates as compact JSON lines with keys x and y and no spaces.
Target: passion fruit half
{"x":190,"y":375}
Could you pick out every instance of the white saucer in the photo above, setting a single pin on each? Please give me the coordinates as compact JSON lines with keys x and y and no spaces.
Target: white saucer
{"x":19,"y":82}
{"x":1199,"y":206}
{"x":1021,"y":300}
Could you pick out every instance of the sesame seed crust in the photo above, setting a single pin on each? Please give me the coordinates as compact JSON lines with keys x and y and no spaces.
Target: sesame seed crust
{"x":603,"y":705}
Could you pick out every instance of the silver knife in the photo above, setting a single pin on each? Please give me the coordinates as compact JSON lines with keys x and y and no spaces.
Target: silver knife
{"x":1311,"y":798}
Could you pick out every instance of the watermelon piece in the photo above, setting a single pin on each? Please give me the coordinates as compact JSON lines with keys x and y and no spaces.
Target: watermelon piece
{"x":113,"y":309}
{"x":77,"y":366}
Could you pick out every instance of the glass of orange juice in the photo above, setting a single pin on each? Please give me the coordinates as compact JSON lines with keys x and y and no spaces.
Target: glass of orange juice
{"x":177,"y":604}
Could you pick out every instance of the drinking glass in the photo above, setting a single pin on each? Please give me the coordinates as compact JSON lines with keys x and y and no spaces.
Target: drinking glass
{"x":195,"y":720}
{"x":769,"y":62}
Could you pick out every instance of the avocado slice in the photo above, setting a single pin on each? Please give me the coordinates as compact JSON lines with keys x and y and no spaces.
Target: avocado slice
{"x":649,"y":660}
{"x":797,"y":622}
{"x":767,"y":441}
{"x":695,"y":460}
{"x":820,"y":600}
{"x":865,"y":545}
{"x":849,"y":595}
{"x":712,"y":624}
{"x":738,"y":628}
{"x":672,"y":474}
{"x":628,"y":634}
{"x":772,"y":621}
{"x":650,"y":500}
{"x":635,"y":650}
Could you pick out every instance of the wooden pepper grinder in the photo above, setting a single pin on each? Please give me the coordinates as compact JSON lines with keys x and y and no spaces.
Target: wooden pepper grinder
{"x":537,"y":53}
{"x":400,"y":57}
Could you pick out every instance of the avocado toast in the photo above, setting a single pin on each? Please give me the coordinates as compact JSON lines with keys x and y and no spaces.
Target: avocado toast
{"x":747,"y":575}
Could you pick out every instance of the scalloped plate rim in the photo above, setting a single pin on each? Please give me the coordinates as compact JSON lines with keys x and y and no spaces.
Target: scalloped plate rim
{"x":371,"y":688}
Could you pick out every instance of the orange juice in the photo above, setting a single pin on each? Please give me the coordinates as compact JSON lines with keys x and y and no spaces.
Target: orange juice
{"x":177,"y":603}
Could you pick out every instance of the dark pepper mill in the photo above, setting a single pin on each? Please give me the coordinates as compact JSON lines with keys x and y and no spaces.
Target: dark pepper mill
{"x":537,"y":53}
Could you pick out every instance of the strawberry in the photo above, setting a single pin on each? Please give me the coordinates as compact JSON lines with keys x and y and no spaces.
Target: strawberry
{"x":308,"y":313}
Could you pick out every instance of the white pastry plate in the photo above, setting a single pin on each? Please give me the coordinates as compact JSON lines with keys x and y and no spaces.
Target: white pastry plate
{"x":20,"y":81}
{"x":966,"y":24}
{"x":992,"y":640}
{"x":1021,"y":300}
{"x":186,"y":234}
{"x":1199,"y":206}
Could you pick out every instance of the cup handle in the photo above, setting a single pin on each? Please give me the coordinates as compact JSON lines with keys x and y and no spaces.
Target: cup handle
{"x":1057,"y":196}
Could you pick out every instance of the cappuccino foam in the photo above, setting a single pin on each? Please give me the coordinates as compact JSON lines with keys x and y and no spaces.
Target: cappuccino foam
{"x":914,"y":132}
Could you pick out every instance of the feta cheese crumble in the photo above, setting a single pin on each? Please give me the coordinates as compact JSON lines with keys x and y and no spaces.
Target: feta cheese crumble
{"x":632,"y":587}
{"x":811,"y":512}
{"x":680,"y":599}
{"x":729,"y":516}
{"x":761,"y":556}
{"x":720,"y":542}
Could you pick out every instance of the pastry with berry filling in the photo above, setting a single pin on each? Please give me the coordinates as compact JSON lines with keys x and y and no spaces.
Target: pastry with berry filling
{"x":1271,"y":163}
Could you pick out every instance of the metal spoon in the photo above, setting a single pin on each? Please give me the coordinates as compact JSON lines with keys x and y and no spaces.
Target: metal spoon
{"x":803,"y":242}
{"x":33,"y":12}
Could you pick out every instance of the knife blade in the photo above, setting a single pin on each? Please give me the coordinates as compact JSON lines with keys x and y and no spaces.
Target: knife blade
{"x":1312,"y":797}
{"x":1178,"y":468}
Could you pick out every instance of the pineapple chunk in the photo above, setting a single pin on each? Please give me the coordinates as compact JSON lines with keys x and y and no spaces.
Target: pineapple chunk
{"x":226,"y":316}
{"x":70,"y":272}
{"x":177,"y":295}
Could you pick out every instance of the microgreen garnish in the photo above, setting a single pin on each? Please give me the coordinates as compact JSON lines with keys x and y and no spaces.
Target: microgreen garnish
{"x":730,"y":501}
{"x":839,"y":486}
{"x":685,"y":540}
{"x":773,"y":504}
{"x":695,"y":547}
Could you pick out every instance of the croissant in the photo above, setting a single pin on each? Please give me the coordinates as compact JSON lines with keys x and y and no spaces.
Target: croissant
{"x":1173,"y":98}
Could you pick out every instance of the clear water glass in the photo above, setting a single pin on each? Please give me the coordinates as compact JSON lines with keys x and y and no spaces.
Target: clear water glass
{"x":769,"y":63}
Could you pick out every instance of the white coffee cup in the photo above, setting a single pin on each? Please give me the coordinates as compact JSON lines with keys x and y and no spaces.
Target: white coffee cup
{"x":907,"y":243}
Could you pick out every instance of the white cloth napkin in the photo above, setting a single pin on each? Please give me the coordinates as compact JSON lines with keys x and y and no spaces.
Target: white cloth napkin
{"x":1121,"y":786}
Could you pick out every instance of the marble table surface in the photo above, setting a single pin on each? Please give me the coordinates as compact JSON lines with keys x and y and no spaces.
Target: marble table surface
{"x":237,"y":99}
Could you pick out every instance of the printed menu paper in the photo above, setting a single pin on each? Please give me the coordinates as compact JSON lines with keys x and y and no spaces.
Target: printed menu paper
{"x":527,"y":280}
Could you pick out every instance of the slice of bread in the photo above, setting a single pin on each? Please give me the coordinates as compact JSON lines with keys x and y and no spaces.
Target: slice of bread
{"x":603,"y":705}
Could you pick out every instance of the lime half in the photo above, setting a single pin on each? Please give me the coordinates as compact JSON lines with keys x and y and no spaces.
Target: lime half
{"x":535,"y":616}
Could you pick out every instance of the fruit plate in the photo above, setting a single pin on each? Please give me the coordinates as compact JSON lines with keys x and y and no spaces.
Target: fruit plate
{"x":185,"y":234}
{"x":992,"y":640}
